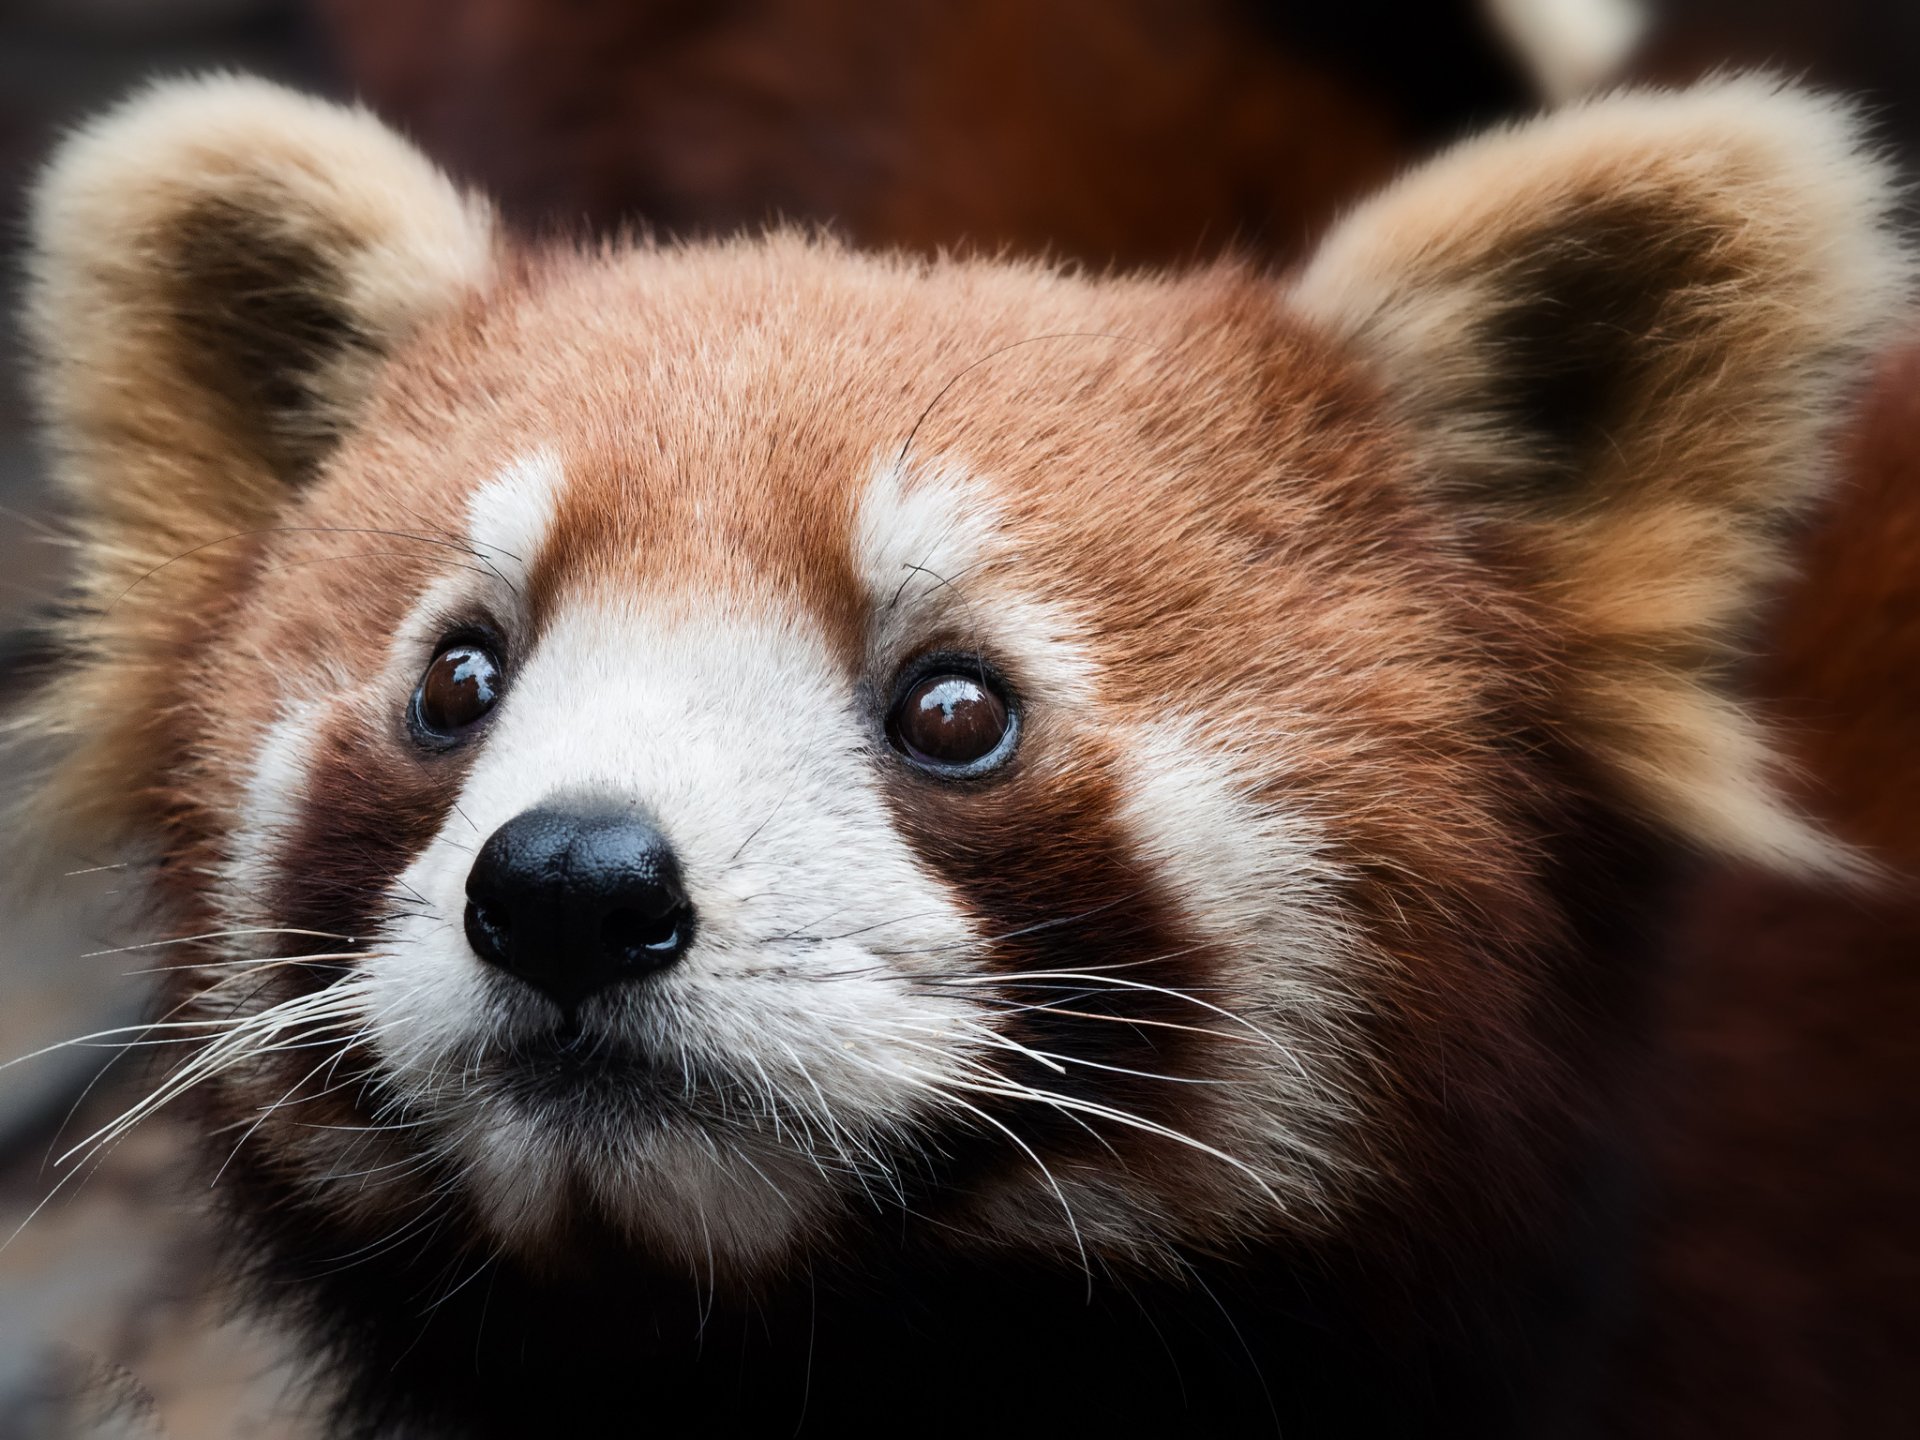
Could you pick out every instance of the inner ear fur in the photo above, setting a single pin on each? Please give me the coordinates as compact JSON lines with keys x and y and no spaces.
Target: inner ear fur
{"x":219,"y":268}
{"x":1620,"y":337}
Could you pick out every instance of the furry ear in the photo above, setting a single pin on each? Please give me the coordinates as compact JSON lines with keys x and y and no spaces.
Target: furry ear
{"x":218,"y":269}
{"x":1620,"y":336}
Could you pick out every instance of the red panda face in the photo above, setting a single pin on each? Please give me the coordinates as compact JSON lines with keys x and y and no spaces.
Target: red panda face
{"x":740,"y":811}
{"x":737,"y":747}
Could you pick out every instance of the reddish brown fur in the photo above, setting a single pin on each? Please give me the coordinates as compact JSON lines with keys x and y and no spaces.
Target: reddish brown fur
{"x":1303,"y":521}
{"x":1282,"y":524}
{"x":1299,"y":524}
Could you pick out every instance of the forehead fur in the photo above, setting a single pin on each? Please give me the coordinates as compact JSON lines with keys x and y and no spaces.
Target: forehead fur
{"x":1196,"y":483}
{"x":1198,"y":478}
{"x":1176,"y":448}
{"x":744,"y":394}
{"x":718,"y":415}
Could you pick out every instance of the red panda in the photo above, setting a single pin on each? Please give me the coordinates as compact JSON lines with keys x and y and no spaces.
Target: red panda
{"x":766,"y":836}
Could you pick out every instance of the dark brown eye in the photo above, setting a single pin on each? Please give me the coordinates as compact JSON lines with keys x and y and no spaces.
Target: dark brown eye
{"x":459,"y":688}
{"x":953,"y":722}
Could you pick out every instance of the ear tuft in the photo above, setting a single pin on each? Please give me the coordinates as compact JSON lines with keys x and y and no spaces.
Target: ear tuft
{"x":1620,"y":336}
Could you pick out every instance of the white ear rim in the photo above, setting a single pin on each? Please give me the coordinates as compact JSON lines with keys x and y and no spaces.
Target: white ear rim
{"x":1791,"y":162}
{"x":117,"y":175}
{"x":148,"y":455}
{"x":1404,"y":280}
{"x":398,"y":238}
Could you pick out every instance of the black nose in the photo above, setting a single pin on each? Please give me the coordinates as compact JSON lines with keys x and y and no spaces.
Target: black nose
{"x":571,"y":900}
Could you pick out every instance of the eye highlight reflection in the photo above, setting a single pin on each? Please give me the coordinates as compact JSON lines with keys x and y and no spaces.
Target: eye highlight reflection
{"x":954,"y":722}
{"x":460,"y":687}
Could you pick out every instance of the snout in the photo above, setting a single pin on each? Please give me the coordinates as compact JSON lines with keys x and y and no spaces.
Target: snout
{"x":572,"y":900}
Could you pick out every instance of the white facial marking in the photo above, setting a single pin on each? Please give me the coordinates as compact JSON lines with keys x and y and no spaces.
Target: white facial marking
{"x":793,"y":1018}
{"x":827,"y":1006}
{"x":921,"y":528}
{"x":1255,"y":879}
{"x":508,"y":517}
{"x":1244,"y":871}
{"x":932,"y":550}
{"x":274,"y":799}
{"x":1251,"y":878}
{"x":1264,"y":1132}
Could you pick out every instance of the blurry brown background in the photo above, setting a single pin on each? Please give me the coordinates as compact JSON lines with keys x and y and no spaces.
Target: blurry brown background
{"x":1106,"y":131}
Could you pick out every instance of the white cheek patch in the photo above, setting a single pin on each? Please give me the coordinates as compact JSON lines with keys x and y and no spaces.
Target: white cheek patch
{"x":1271,"y":1133}
{"x":934,"y":553}
{"x":1241,"y":869}
{"x":738,"y":734}
{"x":1256,"y":880}
{"x":270,"y":809}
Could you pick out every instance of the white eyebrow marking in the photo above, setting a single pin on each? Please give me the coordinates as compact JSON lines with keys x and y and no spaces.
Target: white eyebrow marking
{"x":921,"y":529}
{"x":509,"y":516}
{"x":932,"y":548}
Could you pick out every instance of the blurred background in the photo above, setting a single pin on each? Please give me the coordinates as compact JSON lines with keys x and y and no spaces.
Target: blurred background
{"x":1114,"y":132}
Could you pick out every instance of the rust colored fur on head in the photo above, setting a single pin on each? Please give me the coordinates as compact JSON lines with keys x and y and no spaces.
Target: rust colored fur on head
{"x":1398,"y":598}
{"x":210,"y":306}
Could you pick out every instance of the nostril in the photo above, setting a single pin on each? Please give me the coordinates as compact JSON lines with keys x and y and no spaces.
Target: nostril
{"x":489,"y":930}
{"x":634,"y":937}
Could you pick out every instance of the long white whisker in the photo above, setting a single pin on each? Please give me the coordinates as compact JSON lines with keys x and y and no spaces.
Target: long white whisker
{"x":980,"y":1067}
{"x":247,"y":967}
{"x":1129,"y":1119}
{"x":373,"y":1024}
{"x":1124,"y":984}
{"x":268,"y":1031}
{"x":1001,"y":1086}
{"x":1058,"y":1063}
{"x":1010,"y":1008}
{"x":215,"y":935}
{"x":933,"y":1083}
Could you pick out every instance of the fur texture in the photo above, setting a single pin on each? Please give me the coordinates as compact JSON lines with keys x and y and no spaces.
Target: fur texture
{"x":215,"y":278}
{"x":1572,"y":314}
{"x":1259,"y":1034}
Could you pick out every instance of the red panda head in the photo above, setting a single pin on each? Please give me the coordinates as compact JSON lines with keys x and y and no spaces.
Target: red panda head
{"x":728,"y":747}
